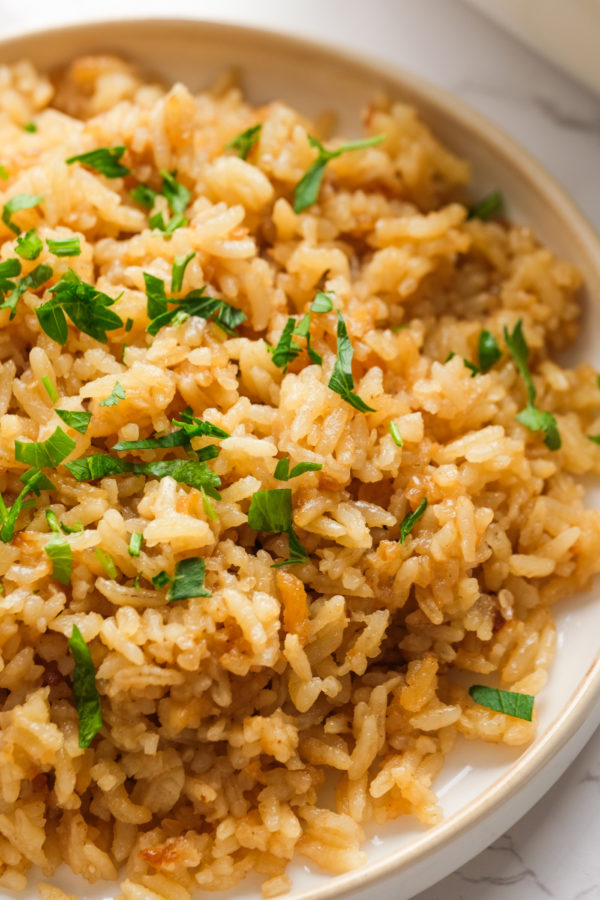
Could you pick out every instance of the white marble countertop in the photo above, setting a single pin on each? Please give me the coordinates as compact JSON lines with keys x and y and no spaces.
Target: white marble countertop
{"x":553,"y":851}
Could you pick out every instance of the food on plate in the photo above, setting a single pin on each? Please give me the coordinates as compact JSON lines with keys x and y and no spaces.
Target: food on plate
{"x":288,"y":474}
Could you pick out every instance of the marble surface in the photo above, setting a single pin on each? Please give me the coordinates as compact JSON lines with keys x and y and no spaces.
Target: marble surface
{"x":553,"y":851}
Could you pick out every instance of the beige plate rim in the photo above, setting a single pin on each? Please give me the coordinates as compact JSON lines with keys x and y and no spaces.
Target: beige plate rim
{"x":584,"y":701}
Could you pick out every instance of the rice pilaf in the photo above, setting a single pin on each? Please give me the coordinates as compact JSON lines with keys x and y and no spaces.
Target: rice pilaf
{"x":427,"y":532}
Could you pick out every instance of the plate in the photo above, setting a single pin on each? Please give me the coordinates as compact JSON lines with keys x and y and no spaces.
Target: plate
{"x":483,"y":789}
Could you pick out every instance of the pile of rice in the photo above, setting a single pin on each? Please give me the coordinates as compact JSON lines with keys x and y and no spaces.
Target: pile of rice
{"x":224,"y":717}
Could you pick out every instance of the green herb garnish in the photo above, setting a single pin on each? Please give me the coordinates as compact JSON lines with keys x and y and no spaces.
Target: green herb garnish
{"x":188,"y":428}
{"x":177,"y":195}
{"x":79,"y":421}
{"x":104,"y":160}
{"x":66,"y":247}
{"x":107,"y":562}
{"x":29,"y":246}
{"x":488,"y":207}
{"x":282,"y":469}
{"x":209,"y":510}
{"x":488,"y":351}
{"x":178,"y":270}
{"x":50,"y":388}
{"x":4,"y":174}
{"x":396,"y":436}
{"x":307,"y":189}
{"x":245,"y":141}
{"x":31,"y":127}
{"x":410,"y":520}
{"x":45,"y":454}
{"x":168,"y":228}
{"x":508,"y":702}
{"x":185,"y":471}
{"x":594,"y":437}
{"x":271,"y":511}
{"x":189,"y":580}
{"x":143,"y":195}
{"x":322,"y":303}
{"x":341,"y":380}
{"x":59,"y":551}
{"x":227,"y":317}
{"x":35,"y":481}
{"x":87,"y":700}
{"x":117,"y":393}
{"x":531,"y":416}
{"x":36,"y":278}
{"x":159,"y":581}
{"x":85,"y":306}
{"x":135,"y":543}
{"x":18,"y":202}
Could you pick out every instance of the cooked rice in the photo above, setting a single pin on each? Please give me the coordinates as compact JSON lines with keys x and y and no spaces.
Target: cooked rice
{"x":224,"y":716}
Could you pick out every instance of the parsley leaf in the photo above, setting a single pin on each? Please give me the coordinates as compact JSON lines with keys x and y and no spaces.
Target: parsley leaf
{"x":135,"y":543}
{"x":50,"y":388}
{"x":286,"y":349}
{"x":36,"y":278}
{"x":45,"y":454}
{"x":532,"y":417}
{"x":396,"y":436}
{"x":87,"y":700}
{"x":191,"y":472}
{"x":156,"y":299}
{"x":322,"y":303}
{"x":85,"y":305}
{"x":29,"y":246}
{"x":307,"y":189}
{"x":181,"y":437}
{"x":410,"y":520}
{"x":271,"y":511}
{"x":4,"y":174}
{"x":59,"y":551}
{"x":31,"y":127}
{"x":488,"y":351}
{"x":341,"y":380}
{"x":161,"y":579}
{"x":79,"y":421}
{"x":177,"y":272}
{"x":67,"y":247}
{"x":302,"y":329}
{"x":488,"y":207}
{"x":282,"y":469}
{"x":168,"y":228}
{"x":177,"y":195}
{"x":469,"y":365}
{"x":107,"y":562}
{"x":104,"y":160}
{"x":143,"y":195}
{"x":117,"y":393}
{"x":35,"y":481}
{"x":508,"y":702}
{"x":595,"y":438}
{"x":245,"y":141}
{"x":189,"y":580}
{"x":194,"y":303}
{"x":18,"y":202}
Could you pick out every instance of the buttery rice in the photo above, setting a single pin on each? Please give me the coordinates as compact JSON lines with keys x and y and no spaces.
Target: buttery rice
{"x":224,"y":716}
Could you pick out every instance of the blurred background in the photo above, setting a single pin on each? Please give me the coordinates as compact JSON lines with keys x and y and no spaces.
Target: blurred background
{"x":532,"y":66}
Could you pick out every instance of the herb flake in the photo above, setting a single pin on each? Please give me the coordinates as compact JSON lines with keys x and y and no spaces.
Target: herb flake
{"x":188,"y":580}
{"x":510,"y":703}
{"x":341,"y":380}
{"x":409,"y":521}
{"x":105,"y":160}
{"x":307,"y":189}
{"x":87,"y":700}
{"x":245,"y":141}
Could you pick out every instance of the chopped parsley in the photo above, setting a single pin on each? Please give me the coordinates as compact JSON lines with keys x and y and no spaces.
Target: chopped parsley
{"x":409,"y":521}
{"x":195,"y":303}
{"x":488,"y":351}
{"x":59,"y":551}
{"x":67,"y":247}
{"x":35,"y":481}
{"x":168,"y":228}
{"x":31,"y":127}
{"x":107,"y":562}
{"x":29,"y":246}
{"x":36,"y":278}
{"x":595,"y":438}
{"x":508,"y":702}
{"x":50,"y":388}
{"x":85,"y":305}
{"x":487,"y":208}
{"x":18,"y":202}
{"x":87,"y":700}
{"x":245,"y":141}
{"x":117,"y":393}
{"x":188,"y":428}
{"x":143,"y":195}
{"x":396,"y":436}
{"x":105,"y":160}
{"x":194,"y":473}
{"x":532,"y":417}
{"x":178,"y":270}
{"x":45,"y":454}
{"x":161,"y":580}
{"x":209,"y":510}
{"x":282,"y":469}
{"x":79,"y":421}
{"x":286,"y":349}
{"x":271,"y":511}
{"x":188,"y":580}
{"x":176,"y":193}
{"x":135,"y":543}
{"x":341,"y":380}
{"x":322,"y":303}
{"x":128,"y":327}
{"x":307,"y":189}
{"x":4,"y":174}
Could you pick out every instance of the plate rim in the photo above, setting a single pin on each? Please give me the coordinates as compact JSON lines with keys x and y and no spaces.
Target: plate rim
{"x":584,"y":703}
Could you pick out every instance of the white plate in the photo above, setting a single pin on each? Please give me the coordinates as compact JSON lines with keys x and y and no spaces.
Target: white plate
{"x":484,"y":789}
